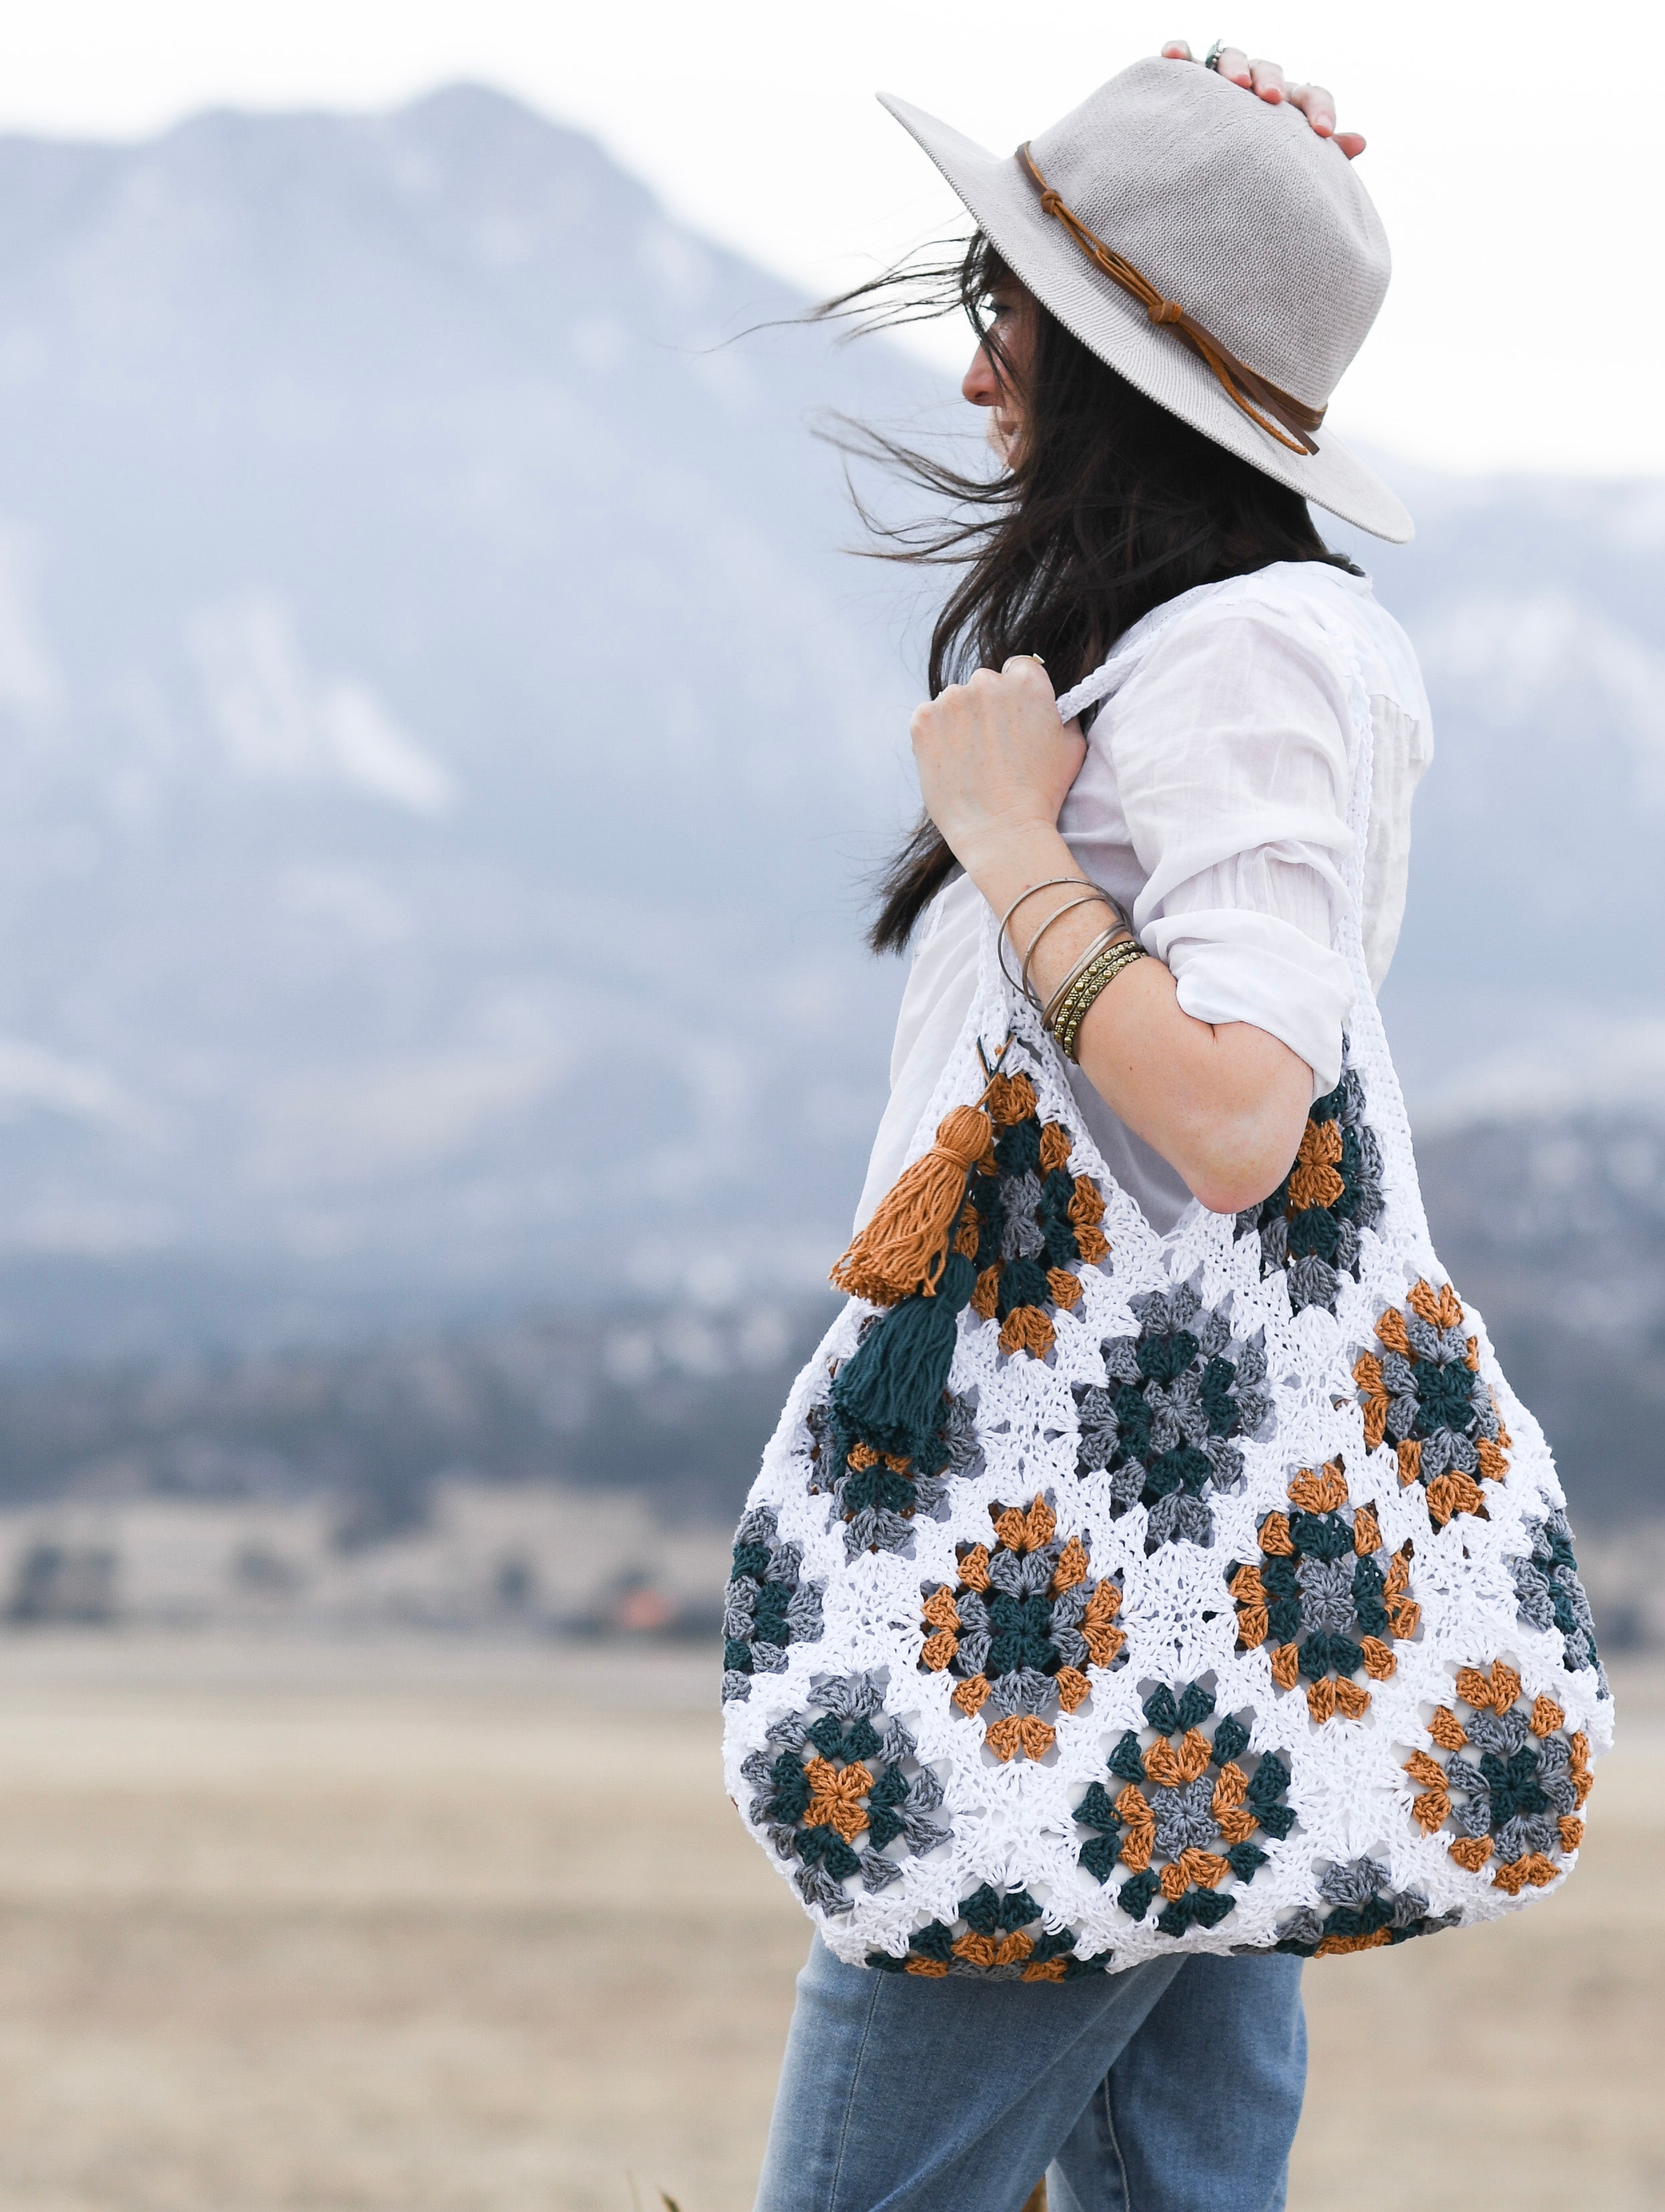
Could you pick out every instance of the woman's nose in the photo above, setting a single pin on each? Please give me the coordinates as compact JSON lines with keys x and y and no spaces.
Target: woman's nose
{"x":980,"y":385}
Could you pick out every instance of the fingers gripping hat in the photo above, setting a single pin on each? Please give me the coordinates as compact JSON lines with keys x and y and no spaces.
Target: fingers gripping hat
{"x":1214,"y":249}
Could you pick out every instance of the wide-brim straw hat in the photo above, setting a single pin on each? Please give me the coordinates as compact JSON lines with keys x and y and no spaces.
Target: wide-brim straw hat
{"x":1208,"y":202}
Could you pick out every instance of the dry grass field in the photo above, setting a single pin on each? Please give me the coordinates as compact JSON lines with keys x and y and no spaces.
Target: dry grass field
{"x":420,"y":1928}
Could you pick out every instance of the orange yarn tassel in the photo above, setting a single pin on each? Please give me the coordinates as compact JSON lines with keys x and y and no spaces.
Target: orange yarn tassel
{"x":903,"y":1248}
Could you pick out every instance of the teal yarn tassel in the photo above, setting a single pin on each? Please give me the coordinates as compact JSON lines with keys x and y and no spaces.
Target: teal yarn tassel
{"x":889,"y":1393}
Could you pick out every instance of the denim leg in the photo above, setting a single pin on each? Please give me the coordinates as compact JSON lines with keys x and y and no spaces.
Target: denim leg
{"x":1199,"y":2111}
{"x":906,"y":2093}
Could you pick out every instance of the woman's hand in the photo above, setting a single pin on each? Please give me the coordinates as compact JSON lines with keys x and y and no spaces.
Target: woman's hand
{"x":994,"y":762}
{"x":1266,"y":79}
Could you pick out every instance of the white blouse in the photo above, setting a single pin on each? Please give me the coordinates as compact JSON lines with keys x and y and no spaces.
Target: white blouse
{"x":1212,"y":805}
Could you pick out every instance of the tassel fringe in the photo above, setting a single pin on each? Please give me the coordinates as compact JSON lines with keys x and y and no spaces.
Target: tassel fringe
{"x":903,"y":1248}
{"x":890,"y":1391}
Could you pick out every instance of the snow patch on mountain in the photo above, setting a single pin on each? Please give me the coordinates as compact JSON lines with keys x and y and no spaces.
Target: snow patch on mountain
{"x":281,"y":722}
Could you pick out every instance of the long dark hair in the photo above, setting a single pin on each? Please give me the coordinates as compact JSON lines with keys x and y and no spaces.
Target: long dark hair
{"x":1112,"y":506}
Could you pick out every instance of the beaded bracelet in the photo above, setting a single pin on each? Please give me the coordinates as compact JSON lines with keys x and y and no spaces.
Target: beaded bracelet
{"x":1102,"y":973}
{"x":1097,"y":977}
{"x":1101,"y":944}
{"x":1086,"y":983}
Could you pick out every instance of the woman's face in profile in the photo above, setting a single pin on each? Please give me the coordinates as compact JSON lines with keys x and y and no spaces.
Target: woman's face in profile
{"x":999,"y":367}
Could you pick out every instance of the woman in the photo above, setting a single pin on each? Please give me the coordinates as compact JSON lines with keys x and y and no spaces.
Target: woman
{"x":1151,"y":508}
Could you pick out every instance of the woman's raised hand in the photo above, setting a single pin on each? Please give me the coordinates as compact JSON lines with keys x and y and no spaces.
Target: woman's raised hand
{"x":1266,"y":79}
{"x":994,"y":762}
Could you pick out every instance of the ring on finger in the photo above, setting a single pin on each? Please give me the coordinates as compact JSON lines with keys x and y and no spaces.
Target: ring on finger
{"x":1011,"y":658}
{"x":1212,"y":58}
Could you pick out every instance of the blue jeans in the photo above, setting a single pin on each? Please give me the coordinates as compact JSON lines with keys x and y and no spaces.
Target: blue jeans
{"x":1174,"y":2087}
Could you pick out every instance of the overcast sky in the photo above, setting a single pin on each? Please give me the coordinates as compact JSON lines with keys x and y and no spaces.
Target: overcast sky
{"x":1519,"y":178}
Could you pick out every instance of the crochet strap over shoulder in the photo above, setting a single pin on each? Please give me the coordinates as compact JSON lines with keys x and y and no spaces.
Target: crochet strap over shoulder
{"x":1103,"y":1591}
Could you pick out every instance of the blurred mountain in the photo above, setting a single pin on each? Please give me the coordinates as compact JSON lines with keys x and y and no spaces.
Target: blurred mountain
{"x":439,"y":735}
{"x":1528,"y":979}
{"x":441,"y":743}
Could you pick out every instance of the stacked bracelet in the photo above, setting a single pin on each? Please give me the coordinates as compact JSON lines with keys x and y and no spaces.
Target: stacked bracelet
{"x":1091,"y":894}
{"x":1095,"y":897}
{"x":1068,"y":1011}
{"x":1089,"y":891}
{"x":1049,"y":1012}
{"x":1098,"y":966}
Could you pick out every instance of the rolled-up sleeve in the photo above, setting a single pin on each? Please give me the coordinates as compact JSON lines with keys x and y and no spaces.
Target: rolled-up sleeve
{"x":1229,"y":748}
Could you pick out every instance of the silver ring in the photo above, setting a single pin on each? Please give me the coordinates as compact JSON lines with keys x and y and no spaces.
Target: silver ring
{"x":1212,"y":58}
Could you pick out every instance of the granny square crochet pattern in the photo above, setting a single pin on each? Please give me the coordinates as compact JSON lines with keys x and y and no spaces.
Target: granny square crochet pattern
{"x":1185,"y":1821}
{"x":1162,"y":1424}
{"x":1311,"y":1222}
{"x":835,"y":1793}
{"x":1019,"y":1627}
{"x":1364,"y":1913}
{"x":1425,"y":1394}
{"x":877,"y":1493}
{"x":1106,"y":1592}
{"x":1512,"y":1786}
{"x":765,"y":1608}
{"x":1325,"y":1597}
{"x":1000,"y":1938}
{"x":1550,"y":1594}
{"x":1029,"y":1223}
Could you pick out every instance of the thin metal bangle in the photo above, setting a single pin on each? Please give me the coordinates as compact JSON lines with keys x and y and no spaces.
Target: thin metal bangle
{"x":1051,"y":883}
{"x":1100,"y":945}
{"x":1020,"y":983}
{"x":1098,"y":898}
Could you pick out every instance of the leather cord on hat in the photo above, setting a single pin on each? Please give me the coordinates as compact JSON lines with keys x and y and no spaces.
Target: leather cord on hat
{"x":1244,"y":387}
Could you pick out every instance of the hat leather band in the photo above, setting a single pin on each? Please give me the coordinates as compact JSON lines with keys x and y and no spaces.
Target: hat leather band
{"x":1295,"y":421}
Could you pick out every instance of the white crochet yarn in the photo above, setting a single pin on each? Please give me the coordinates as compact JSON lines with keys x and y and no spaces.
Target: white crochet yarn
{"x":1012,"y":1825}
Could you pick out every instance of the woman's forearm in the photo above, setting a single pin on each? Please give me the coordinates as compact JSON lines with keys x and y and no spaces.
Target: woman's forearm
{"x":1224,"y":1103}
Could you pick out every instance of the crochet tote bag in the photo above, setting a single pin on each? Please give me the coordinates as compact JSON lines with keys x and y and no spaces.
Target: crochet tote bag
{"x":1105,"y":1591}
